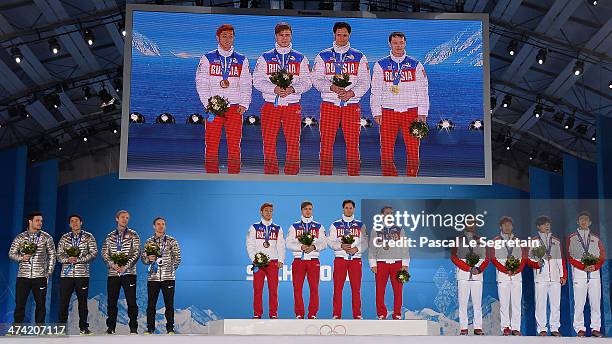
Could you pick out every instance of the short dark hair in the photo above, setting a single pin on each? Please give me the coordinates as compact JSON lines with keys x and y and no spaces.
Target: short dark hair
{"x":541,"y":220}
{"x":265,"y":205}
{"x":382,"y":210}
{"x":348,"y":201}
{"x":305,"y":204}
{"x":505,"y":219}
{"x":225,"y":27}
{"x":584,"y":213}
{"x":33,"y":214}
{"x":397,"y":34}
{"x":282,"y":26}
{"x":342,"y":25}
{"x":75,"y":215}
{"x":158,"y":218}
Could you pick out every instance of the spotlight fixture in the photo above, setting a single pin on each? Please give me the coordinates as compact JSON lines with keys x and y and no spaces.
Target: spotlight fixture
{"x":507,"y":101}
{"x":534,"y":154}
{"x":366,"y":122}
{"x":86,"y":92}
{"x":578,"y":67}
{"x":593,"y":2}
{"x":195,"y":119}
{"x":53,"y":101}
{"x":253,"y":120}
{"x":446,"y":124}
{"x":610,"y":85}
{"x":89,"y":37}
{"x":476,"y":125}
{"x":122,"y":29}
{"x":537,"y":112}
{"x":54,"y":46}
{"x":569,"y":123}
{"x":165,"y":118}
{"x":594,"y":137}
{"x":541,"y":57}
{"x":508,"y":142}
{"x":118,"y":85}
{"x":17,"y":55}
{"x":512,"y":47}
{"x":108,"y":102}
{"x":85,"y":139}
{"x":309,"y":122}
{"x":137,"y":117}
{"x":18,"y":111}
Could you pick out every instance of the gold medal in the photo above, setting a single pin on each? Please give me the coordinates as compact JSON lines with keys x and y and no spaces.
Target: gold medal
{"x":224,"y":83}
{"x":395,"y":89}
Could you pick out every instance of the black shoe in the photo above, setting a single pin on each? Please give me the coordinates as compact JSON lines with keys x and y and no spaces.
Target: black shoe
{"x":85,"y":332}
{"x":110,"y":331}
{"x":133,"y":331}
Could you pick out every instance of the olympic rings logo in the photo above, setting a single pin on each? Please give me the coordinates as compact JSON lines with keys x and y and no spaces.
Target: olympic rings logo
{"x":328,"y":330}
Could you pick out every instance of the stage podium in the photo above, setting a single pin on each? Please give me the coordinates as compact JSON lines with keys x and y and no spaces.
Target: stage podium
{"x":323,"y":327}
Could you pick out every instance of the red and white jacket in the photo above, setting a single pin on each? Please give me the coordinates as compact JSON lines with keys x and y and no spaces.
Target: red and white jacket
{"x":297,"y":229}
{"x":348,"y":226}
{"x":458,"y":255}
{"x":499,"y":256}
{"x":553,"y":269}
{"x":209,"y":75}
{"x":257,"y":236}
{"x":575,"y":252}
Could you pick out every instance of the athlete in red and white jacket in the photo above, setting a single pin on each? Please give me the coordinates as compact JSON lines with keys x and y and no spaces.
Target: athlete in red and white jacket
{"x":469,"y":279}
{"x":509,"y":283}
{"x":340,"y":106}
{"x":399,"y":96}
{"x":586,"y":279}
{"x":348,"y":257}
{"x":306,"y":260}
{"x":266,"y":237}
{"x":550,"y":273}
{"x":282,"y":106}
{"x":224,"y":72}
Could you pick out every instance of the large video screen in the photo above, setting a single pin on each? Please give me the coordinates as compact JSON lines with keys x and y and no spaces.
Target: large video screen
{"x":351,"y":97}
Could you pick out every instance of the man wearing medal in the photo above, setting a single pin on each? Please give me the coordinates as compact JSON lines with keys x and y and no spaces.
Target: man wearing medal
{"x":224,"y":72}
{"x":34,"y":270}
{"x":586,"y":279}
{"x":348,"y":257}
{"x":340,"y":106}
{"x":306,"y":260}
{"x":399,"y":96}
{"x":161,"y":274}
{"x":125,"y":240}
{"x":385,"y":263}
{"x":75,"y":270}
{"x":509,"y":284}
{"x":469,"y":279}
{"x":266,"y":237}
{"x":282,"y":106}
{"x":550,"y":273}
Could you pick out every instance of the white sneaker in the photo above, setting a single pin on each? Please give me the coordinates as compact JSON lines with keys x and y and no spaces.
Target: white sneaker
{"x":335,"y":317}
{"x":299,"y":317}
{"x":380,"y":317}
{"x":359,"y":317}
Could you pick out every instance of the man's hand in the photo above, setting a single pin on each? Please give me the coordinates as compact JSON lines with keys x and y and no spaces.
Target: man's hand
{"x":289,"y":90}
{"x":374,"y":269}
{"x":589,"y":268}
{"x":378,"y":119}
{"x":336,"y":89}
{"x":152,"y":258}
{"x":423,"y":119}
{"x":26,"y":258}
{"x":72,"y":260}
{"x":309,"y":248}
{"x":280,"y":264}
{"x":346,"y":95}
{"x":345,"y":247}
{"x":563,"y":280}
{"x":241,"y":110}
{"x":352,"y":251}
{"x":121,"y":269}
{"x":278,"y":91}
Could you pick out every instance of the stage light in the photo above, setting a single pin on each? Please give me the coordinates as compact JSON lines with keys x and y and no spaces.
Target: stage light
{"x":594,"y":137}
{"x":17,"y":55}
{"x":108,"y":102}
{"x":365,"y":122}
{"x":541,"y":57}
{"x":137,"y":117}
{"x":534,"y":154}
{"x":118,"y":85}
{"x":578,"y":68}
{"x":19,"y":111}
{"x":253,"y":120}
{"x":85,"y":139}
{"x":54,"y":46}
{"x":89,"y":37}
{"x":86,"y":92}
{"x":122,"y":29}
{"x":165,"y":118}
{"x":446,"y":124}
{"x":53,"y":100}
{"x":195,"y":119}
{"x":537,"y":112}
{"x":512,"y":47}
{"x":569,"y":123}
{"x":507,"y":101}
{"x":593,"y":2}
{"x":476,"y":125}
{"x":309,"y":122}
{"x":610,"y":85}
{"x":508,"y":142}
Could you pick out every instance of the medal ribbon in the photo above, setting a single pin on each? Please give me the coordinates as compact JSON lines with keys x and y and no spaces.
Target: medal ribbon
{"x":306,"y":228}
{"x":585,"y":247}
{"x":154,"y":266}
{"x":397,"y":74}
{"x":266,"y":233}
{"x":347,"y":231}
{"x":225,"y":66}
{"x":338,"y":61}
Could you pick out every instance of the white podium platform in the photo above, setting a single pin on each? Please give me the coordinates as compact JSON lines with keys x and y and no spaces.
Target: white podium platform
{"x":322,"y":327}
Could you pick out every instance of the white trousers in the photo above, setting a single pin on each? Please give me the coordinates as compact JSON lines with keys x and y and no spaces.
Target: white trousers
{"x":582,"y":288}
{"x":465,"y":289}
{"x":510,"y":293}
{"x":551,"y":292}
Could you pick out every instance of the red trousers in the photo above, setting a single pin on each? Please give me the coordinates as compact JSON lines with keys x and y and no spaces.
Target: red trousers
{"x":353,"y":267}
{"x":233,"y":134}
{"x":271,"y":273}
{"x":271,"y":119}
{"x":384,"y":271}
{"x":301,"y":269}
{"x":393,"y":121}
{"x":348,"y":117}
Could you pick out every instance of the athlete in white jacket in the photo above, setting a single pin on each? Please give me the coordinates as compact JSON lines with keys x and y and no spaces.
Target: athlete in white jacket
{"x":550,"y":273}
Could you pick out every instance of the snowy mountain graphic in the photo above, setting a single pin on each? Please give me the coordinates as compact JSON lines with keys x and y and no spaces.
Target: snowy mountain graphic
{"x":188,"y":320}
{"x":465,"y":48}
{"x":144,"y":45}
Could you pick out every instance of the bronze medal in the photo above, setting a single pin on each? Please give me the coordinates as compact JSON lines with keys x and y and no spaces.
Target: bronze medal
{"x":224,"y":83}
{"x":266,"y":244}
{"x":385,"y":247}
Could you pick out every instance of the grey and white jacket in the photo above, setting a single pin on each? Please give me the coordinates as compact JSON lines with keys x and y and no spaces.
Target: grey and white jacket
{"x":170,"y":258}
{"x":89,"y":251}
{"x":42,"y":262}
{"x":130,"y":245}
